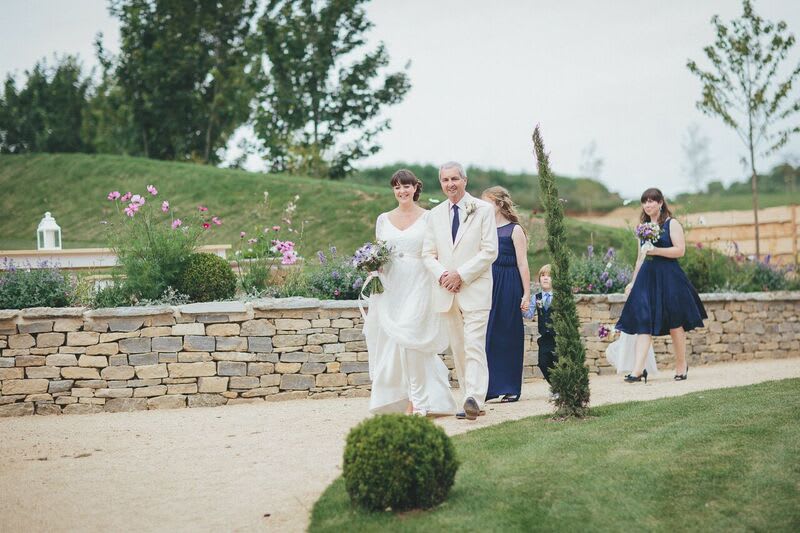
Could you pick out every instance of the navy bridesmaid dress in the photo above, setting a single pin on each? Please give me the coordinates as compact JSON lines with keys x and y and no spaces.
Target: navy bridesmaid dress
{"x":662,"y":298}
{"x":504,"y":334}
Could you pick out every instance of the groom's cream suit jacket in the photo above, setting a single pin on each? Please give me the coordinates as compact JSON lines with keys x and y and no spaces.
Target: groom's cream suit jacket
{"x":472,"y":254}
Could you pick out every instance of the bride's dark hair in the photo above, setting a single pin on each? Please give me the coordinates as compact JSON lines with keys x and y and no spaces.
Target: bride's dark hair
{"x":657,"y":196}
{"x":406,"y":177}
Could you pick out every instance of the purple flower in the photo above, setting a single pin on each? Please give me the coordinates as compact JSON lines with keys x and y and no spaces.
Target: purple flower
{"x":590,"y":250}
{"x":321,"y":257}
{"x":603,"y":332}
{"x":357,"y":284}
{"x":610,"y":255}
{"x":604,"y":276}
{"x":609,"y":284}
{"x":335,"y":274}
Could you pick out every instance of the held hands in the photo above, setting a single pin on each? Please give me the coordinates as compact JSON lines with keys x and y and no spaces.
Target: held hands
{"x":451,"y":281}
{"x":525,"y":305}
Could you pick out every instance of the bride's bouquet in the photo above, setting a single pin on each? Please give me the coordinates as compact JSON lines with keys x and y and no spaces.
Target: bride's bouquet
{"x":648,"y":233}
{"x":369,"y":258}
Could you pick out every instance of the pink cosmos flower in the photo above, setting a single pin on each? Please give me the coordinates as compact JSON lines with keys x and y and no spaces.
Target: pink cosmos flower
{"x":152,"y":190}
{"x":165,"y":206}
{"x":137,"y":199}
{"x":114,"y":195}
{"x":131,"y":210}
{"x":242,"y":234}
{"x":202,"y":208}
{"x":216,"y":221}
{"x":276,"y":228}
{"x":206,"y":225}
{"x":289,"y":257}
{"x":250,"y":241}
{"x":125,"y":197}
{"x":176,"y":223}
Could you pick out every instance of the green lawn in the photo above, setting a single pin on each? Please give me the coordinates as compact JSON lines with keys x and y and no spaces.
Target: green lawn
{"x":74,"y":188}
{"x":723,"y":460}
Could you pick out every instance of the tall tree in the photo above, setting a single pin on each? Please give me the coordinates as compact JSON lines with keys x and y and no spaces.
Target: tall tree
{"x":182,"y":71}
{"x":47,"y":113}
{"x":697,"y":162}
{"x":742,"y":86}
{"x":570,"y":377}
{"x":322,"y":92}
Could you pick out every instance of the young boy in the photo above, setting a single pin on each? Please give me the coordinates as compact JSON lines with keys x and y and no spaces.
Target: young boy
{"x":547,"y":335}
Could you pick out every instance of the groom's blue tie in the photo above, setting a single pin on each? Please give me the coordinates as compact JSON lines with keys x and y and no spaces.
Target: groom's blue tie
{"x":456,"y":222}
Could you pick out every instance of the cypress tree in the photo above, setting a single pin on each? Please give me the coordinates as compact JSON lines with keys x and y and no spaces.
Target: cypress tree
{"x":570,"y":377}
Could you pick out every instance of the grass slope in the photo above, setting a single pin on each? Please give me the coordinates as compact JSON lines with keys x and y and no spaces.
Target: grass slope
{"x":723,"y":460}
{"x":74,"y":186}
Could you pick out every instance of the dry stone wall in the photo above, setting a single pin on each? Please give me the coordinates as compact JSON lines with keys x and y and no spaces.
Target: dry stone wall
{"x":75,"y":360}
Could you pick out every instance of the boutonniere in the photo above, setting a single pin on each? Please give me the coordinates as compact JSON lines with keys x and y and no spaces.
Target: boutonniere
{"x":540,"y":303}
{"x":470,"y":208}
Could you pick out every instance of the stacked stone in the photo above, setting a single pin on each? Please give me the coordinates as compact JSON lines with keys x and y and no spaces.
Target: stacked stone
{"x":740,"y":326}
{"x":77,"y":361}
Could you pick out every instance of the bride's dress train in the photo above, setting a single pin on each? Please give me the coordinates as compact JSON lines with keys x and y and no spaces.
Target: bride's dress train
{"x":404,"y":334}
{"x":622,"y":355}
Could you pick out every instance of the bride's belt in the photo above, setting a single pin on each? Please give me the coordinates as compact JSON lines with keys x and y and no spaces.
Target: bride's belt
{"x":408,"y":255}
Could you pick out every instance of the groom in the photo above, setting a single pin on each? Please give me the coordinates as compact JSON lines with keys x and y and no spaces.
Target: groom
{"x":459,"y":249}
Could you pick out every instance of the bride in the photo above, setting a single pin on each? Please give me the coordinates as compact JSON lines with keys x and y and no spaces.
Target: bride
{"x":404,"y":334}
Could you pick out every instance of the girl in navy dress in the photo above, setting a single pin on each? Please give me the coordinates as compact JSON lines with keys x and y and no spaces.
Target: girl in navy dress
{"x":661,"y":300}
{"x":511,"y":295}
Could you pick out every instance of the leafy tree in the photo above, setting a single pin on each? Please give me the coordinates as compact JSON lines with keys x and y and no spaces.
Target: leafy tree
{"x":742,"y":87}
{"x":46,"y":114}
{"x":322,"y":93}
{"x":570,"y":377}
{"x":182,"y":74}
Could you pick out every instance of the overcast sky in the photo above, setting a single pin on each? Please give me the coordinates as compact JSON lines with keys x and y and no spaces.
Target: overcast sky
{"x":485,"y":73}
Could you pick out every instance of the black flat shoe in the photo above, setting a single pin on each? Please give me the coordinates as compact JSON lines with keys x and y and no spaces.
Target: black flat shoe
{"x":630,"y":378}
{"x":684,"y":376}
{"x":509,"y":398}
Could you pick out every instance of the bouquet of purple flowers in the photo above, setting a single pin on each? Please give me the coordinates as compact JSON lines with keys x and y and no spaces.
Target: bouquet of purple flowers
{"x":648,"y":233}
{"x":370,"y":258}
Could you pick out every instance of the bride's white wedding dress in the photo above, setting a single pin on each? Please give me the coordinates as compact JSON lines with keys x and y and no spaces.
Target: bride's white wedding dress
{"x":622,"y":355}
{"x":404,"y":334}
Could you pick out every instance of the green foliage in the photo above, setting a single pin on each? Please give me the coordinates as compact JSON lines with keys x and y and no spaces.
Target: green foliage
{"x":323,"y":94}
{"x":707,"y":269}
{"x":582,"y":195}
{"x":115,"y":295}
{"x":570,"y":377}
{"x":398,"y":462}
{"x":711,"y":271}
{"x":336,"y":278}
{"x":181,"y":72}
{"x":207,"y":277}
{"x":42,"y":286}
{"x":595,"y":274}
{"x":47,"y":113}
{"x":152,"y":247}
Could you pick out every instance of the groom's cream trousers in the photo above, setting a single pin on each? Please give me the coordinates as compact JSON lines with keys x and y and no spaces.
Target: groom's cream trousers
{"x":467,"y":330}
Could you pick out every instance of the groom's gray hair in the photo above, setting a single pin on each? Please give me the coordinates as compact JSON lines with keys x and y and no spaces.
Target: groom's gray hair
{"x":455,"y":165}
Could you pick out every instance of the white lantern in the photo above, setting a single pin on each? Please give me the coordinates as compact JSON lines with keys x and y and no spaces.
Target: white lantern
{"x":48,"y":234}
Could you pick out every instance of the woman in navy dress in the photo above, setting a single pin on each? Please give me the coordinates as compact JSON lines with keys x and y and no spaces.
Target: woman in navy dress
{"x":661,"y":300}
{"x":511,"y":295}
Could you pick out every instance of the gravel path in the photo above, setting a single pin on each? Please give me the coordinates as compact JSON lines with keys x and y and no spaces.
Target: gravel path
{"x":238,"y":468}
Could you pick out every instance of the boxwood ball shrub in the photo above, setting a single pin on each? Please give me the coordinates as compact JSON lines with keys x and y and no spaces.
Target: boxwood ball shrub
{"x":207,"y":277}
{"x":398,"y":462}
